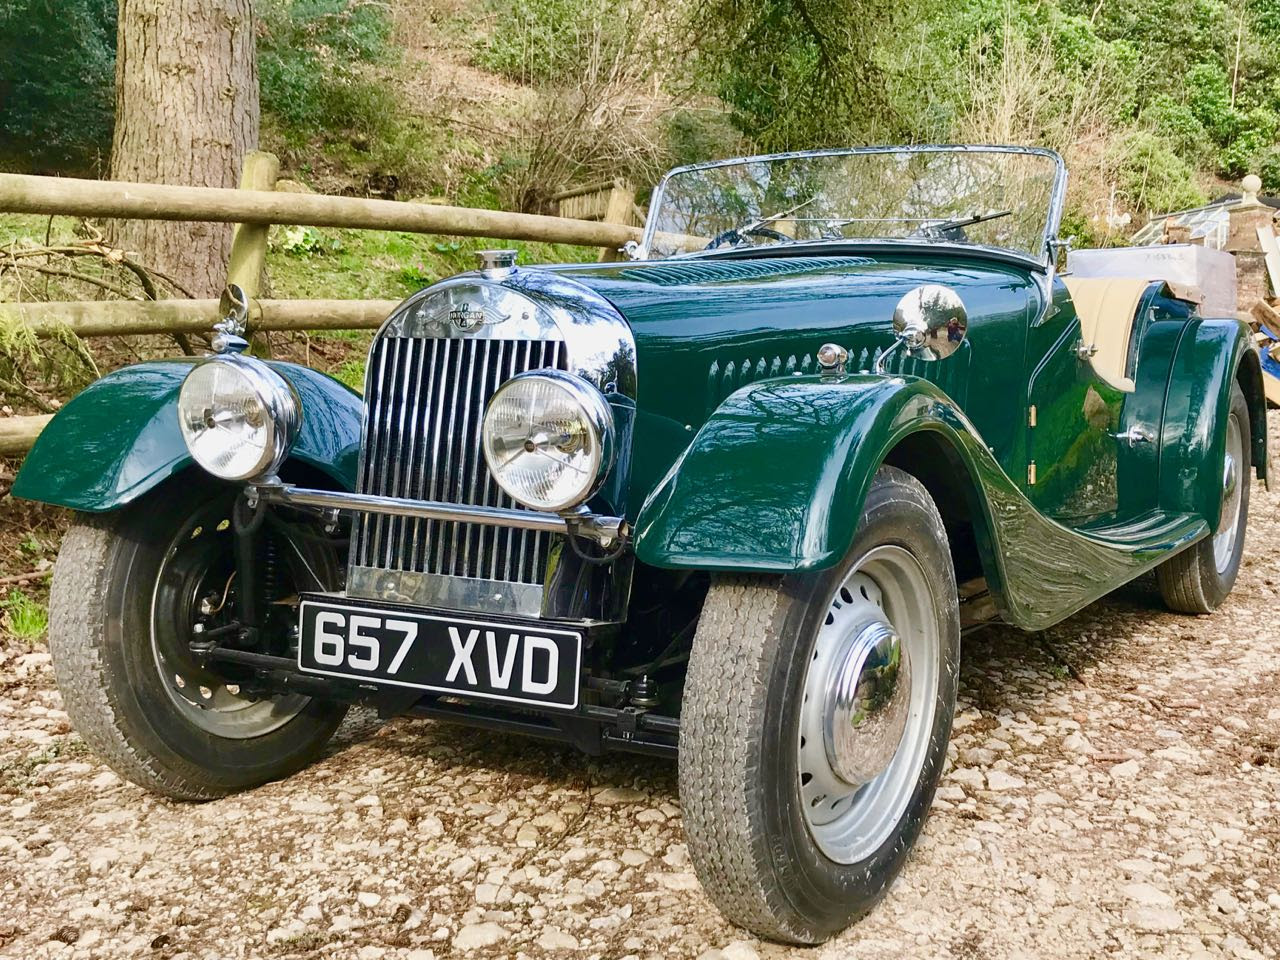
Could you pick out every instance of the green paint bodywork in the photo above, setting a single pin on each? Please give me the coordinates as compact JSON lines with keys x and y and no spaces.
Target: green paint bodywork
{"x":745,"y":459}
{"x":119,"y":437}
{"x":797,"y":502}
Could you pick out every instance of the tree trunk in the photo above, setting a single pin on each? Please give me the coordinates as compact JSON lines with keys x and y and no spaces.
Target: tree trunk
{"x":186,"y":113}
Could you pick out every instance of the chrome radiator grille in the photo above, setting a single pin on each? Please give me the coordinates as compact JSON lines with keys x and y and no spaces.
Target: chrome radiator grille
{"x":424,"y":407}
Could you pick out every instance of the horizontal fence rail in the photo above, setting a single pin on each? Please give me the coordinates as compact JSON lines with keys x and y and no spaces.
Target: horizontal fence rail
{"x":111,"y":318}
{"x":17,"y":434}
{"x":126,"y":317}
{"x":66,"y":196}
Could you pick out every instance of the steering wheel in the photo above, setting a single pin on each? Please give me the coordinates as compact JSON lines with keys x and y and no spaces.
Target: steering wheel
{"x":763,"y":231}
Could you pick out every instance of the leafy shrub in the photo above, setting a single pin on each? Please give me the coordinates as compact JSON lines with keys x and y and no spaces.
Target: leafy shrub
{"x":1177,"y":124}
{"x":303,"y":241}
{"x":1257,"y":131}
{"x":312,"y":60}
{"x":540,"y":41}
{"x":1209,"y":96}
{"x":57,"y":76}
{"x":1268,"y":168}
{"x":1150,"y":176}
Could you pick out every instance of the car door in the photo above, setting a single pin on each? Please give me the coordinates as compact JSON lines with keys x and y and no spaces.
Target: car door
{"x":1072,"y":415}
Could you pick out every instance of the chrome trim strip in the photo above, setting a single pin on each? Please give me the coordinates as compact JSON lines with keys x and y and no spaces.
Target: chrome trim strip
{"x":446,"y":592}
{"x":603,"y":530}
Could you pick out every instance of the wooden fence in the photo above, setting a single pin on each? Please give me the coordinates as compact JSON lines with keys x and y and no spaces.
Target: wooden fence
{"x":254,"y":207}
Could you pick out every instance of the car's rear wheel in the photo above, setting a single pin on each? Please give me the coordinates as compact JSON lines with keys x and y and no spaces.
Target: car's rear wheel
{"x":1200,"y":578}
{"x":128,"y":590}
{"x":817,"y":710}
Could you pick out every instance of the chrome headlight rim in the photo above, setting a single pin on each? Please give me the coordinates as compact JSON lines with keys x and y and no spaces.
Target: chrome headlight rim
{"x":598,"y":415}
{"x":281,"y":408}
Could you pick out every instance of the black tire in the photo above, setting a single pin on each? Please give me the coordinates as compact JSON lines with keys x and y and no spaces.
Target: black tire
{"x":1191,"y":581}
{"x":100,"y":639}
{"x":739,"y":754}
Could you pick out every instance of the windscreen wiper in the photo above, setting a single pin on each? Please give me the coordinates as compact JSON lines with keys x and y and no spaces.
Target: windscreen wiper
{"x":954,"y":229}
{"x":757,"y":228}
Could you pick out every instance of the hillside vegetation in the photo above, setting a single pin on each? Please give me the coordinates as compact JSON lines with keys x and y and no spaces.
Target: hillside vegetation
{"x":1155,"y":102}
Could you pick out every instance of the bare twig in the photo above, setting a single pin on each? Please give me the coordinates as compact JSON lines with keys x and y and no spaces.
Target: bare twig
{"x":24,"y":577}
{"x":120,"y":292}
{"x":22,"y":390}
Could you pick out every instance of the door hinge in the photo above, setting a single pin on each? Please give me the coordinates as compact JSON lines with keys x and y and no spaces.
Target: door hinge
{"x":1031,"y":474}
{"x":1031,"y":416}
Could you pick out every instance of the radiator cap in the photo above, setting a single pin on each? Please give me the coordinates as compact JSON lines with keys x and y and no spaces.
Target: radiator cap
{"x":496,"y":263}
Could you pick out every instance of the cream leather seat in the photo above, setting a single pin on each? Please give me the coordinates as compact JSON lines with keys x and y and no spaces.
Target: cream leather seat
{"x":1106,"y":307}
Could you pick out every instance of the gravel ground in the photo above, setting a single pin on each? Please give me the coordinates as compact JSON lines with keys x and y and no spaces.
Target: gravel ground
{"x":1114,"y":788}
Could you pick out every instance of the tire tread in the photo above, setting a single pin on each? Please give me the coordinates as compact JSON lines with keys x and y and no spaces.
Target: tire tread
{"x":734,"y":650}
{"x":77,"y":609}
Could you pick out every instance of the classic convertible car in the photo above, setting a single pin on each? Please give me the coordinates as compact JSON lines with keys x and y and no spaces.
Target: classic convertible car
{"x":734,"y":500}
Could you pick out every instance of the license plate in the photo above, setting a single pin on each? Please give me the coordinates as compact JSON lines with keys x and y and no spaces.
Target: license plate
{"x":510,"y":661}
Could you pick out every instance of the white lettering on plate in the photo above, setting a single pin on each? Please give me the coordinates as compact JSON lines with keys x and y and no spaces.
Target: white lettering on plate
{"x":462,"y":656}
{"x":532,"y":644}
{"x":500,"y":677}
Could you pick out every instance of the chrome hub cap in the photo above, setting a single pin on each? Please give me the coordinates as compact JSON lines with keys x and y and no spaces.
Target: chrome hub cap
{"x":867,"y":707}
{"x":1224,"y":538}
{"x":869,"y":699}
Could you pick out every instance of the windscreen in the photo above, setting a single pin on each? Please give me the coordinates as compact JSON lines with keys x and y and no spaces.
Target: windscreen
{"x":997,"y":198}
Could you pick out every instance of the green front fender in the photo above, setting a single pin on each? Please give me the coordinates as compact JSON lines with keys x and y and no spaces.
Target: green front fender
{"x":775,"y":479}
{"x":119,"y":437}
{"x":1212,"y":355}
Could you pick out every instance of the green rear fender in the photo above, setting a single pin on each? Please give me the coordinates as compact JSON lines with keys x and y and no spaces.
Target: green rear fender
{"x":119,"y":437}
{"x":1211,"y":356}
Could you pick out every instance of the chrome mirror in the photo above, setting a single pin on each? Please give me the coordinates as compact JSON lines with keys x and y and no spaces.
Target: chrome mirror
{"x":229,"y":331}
{"x":930,"y":321}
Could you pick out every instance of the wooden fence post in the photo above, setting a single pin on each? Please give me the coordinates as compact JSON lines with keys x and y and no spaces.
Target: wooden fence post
{"x":249,"y":243}
{"x":622,"y":201}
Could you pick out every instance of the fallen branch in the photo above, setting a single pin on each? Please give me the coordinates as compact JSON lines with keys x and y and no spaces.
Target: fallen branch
{"x":17,"y":578}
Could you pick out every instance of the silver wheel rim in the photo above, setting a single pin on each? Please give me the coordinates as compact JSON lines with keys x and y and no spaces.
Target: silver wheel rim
{"x":202,"y":697}
{"x":886,"y":592}
{"x":1224,"y":538}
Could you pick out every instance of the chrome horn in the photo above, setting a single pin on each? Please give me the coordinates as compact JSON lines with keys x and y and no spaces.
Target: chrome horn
{"x":930,"y":321}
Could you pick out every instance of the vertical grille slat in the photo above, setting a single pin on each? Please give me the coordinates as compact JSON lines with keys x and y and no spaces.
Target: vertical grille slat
{"x":424,"y":409}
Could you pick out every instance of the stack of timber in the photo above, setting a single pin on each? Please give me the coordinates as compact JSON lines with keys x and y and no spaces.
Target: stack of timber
{"x":1264,"y":317}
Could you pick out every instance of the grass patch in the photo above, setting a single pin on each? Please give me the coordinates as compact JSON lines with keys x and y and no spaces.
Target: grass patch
{"x":26,"y":618}
{"x":19,"y":774}
{"x":329,"y":263}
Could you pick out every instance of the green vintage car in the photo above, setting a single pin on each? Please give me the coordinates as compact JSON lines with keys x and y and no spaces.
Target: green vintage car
{"x":734,"y":500}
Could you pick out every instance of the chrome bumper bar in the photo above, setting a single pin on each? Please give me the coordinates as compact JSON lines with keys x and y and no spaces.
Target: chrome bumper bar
{"x":605,"y":531}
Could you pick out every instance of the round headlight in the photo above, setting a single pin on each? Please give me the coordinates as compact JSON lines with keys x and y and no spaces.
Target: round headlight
{"x":238,"y":417}
{"x":548,"y":439}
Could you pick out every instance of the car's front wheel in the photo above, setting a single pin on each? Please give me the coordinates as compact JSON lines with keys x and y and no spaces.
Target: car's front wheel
{"x":129,"y":589}
{"x":817,"y":710}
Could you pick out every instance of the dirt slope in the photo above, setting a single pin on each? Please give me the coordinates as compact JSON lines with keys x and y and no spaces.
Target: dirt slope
{"x":1115,"y":790}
